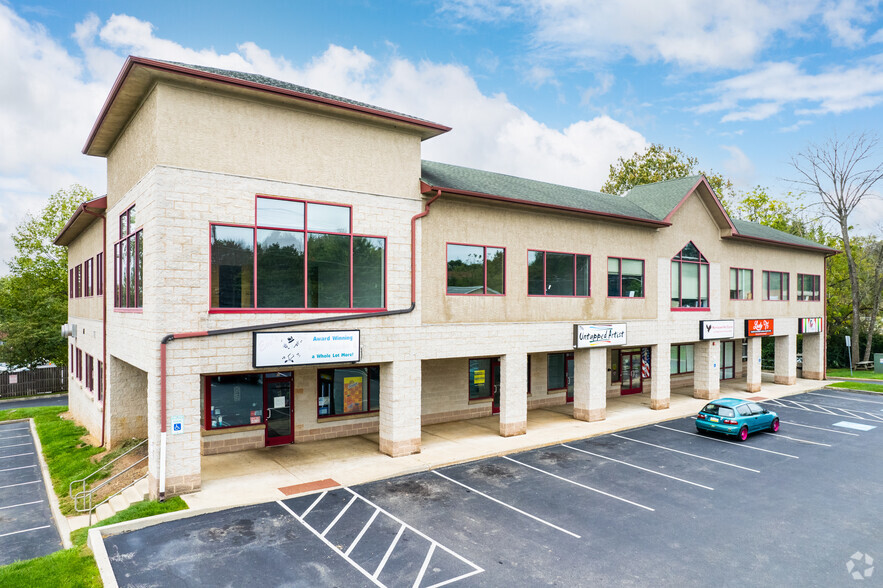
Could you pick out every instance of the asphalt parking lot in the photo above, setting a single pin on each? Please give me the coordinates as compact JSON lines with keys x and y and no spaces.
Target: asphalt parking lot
{"x":26,"y":526}
{"x":656,"y":505}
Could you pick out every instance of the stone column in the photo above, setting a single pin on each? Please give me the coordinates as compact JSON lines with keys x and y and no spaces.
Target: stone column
{"x":589,"y":384}
{"x":814,"y":356}
{"x":660,"y":380}
{"x":752,"y":367}
{"x":786,"y":360}
{"x":400,"y":396}
{"x":513,"y":394}
{"x":706,"y":370}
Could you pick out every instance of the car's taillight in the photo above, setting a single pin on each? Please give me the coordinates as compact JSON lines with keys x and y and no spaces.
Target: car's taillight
{"x":730,"y":422}
{"x":700,"y":416}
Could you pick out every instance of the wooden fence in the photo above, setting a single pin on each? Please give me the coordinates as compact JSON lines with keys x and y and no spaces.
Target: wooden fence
{"x":33,"y":382}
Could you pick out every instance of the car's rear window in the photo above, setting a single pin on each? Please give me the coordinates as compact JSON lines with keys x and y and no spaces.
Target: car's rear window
{"x":715,"y":409}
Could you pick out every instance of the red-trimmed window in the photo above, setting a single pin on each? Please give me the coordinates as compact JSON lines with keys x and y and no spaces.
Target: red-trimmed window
{"x":775,"y":285}
{"x":90,"y":365}
{"x":741,"y":284}
{"x":80,"y":364}
{"x":128,"y":256}
{"x":809,"y":287}
{"x":349,"y":390}
{"x":558,"y":370}
{"x":235,"y":400}
{"x":87,"y":277}
{"x":476,"y":270}
{"x":70,"y":284}
{"x":681,"y":359}
{"x":73,"y":360}
{"x":99,"y":274}
{"x":625,"y":277}
{"x":298,"y":255}
{"x":100,"y":381}
{"x":550,"y":273}
{"x":78,"y":281}
{"x":689,"y":279}
{"x":484,"y":375}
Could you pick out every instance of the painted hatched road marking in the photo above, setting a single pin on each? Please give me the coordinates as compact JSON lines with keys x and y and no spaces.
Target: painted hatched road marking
{"x":403,"y":526}
{"x":733,"y":443}
{"x":509,"y":506}
{"x":631,"y":465}
{"x":844,"y":398}
{"x":557,"y":477}
{"x":827,"y":410}
{"x":732,"y":465}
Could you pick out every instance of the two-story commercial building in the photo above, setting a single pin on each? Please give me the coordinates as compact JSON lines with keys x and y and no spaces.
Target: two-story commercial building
{"x":275,"y":265}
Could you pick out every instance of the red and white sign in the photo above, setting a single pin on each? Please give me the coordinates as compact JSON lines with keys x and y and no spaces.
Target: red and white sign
{"x":809,"y":325}
{"x":716,"y":330}
{"x":759,"y":327}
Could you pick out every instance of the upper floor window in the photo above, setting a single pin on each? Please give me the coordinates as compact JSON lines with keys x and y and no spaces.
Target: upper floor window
{"x":775,"y":285}
{"x":88,"y":279}
{"x":99,"y":274}
{"x":298,"y":255}
{"x":809,"y":287}
{"x":78,"y":285}
{"x":127,"y":263}
{"x":625,"y":277}
{"x":70,"y":283}
{"x":689,"y":278}
{"x":557,"y":274}
{"x":475,"y":269}
{"x":741,"y":281}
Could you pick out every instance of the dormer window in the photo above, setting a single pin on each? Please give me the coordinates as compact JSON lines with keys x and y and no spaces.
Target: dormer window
{"x":689,"y":279}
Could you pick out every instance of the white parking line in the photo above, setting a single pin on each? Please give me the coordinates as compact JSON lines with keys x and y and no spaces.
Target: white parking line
{"x":5,"y":430}
{"x":798,"y":440}
{"x":685,"y":453}
{"x":578,"y":484}
{"x":25,"y":531}
{"x":733,"y":443}
{"x":501,"y":503}
{"x":20,"y":484}
{"x":631,"y":465}
{"x":819,"y":428}
{"x":16,"y":455}
{"x":822,"y":408}
{"x":424,"y":566}
{"x":22,"y":504}
{"x":362,"y":532}
{"x":315,"y":502}
{"x":778,"y":403}
{"x":844,"y":397}
{"x":16,"y":445}
{"x":19,"y":468}
{"x":14,"y":436}
{"x":337,"y":518}
{"x":389,"y":551}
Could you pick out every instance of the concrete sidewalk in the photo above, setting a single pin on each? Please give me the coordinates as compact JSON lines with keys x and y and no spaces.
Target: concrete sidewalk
{"x":249,"y":477}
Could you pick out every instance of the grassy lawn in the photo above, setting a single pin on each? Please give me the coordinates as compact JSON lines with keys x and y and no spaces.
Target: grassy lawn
{"x":859,"y":386}
{"x":75,"y":567}
{"x":859,"y":374}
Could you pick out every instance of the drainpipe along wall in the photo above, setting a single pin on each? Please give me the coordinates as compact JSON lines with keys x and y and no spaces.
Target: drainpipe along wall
{"x":330,"y":319}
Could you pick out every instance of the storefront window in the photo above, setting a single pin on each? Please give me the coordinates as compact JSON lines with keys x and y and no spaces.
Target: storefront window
{"x":556,"y":371}
{"x":480,"y":379}
{"x":351,"y":390}
{"x":681,"y":359}
{"x":234,"y":400}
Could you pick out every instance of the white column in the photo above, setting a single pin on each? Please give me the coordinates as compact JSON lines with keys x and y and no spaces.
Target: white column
{"x":786,"y":360}
{"x":752,"y":368}
{"x":400,"y":396}
{"x":814,"y":356}
{"x":589,"y":384}
{"x":513,"y":394}
{"x":706,"y":370}
{"x":660,"y":381}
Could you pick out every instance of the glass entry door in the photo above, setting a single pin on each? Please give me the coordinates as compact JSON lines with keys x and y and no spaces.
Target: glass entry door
{"x":495,"y":382}
{"x":630,"y":372}
{"x":728,"y":360}
{"x":277,"y":403}
{"x":569,"y":374}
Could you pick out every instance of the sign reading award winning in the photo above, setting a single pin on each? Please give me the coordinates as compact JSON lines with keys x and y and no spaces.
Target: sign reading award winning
{"x":759,"y":327}
{"x":809,"y":325}
{"x":585,"y":336}
{"x":279,"y":349}
{"x":717,"y":330}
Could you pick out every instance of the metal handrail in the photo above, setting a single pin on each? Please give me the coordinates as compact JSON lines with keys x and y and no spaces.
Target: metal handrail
{"x":91,"y":491}
{"x":118,"y":492}
{"x":83,"y":493}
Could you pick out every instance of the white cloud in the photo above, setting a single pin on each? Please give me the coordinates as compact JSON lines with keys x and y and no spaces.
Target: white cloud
{"x":738,"y":167}
{"x":49,"y":99}
{"x":845,"y":20}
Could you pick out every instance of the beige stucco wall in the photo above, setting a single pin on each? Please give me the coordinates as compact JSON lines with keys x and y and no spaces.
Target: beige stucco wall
{"x":134,"y":152}
{"x":87,"y":245}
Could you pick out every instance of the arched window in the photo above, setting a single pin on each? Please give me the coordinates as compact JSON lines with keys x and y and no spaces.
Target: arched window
{"x":689,"y":278}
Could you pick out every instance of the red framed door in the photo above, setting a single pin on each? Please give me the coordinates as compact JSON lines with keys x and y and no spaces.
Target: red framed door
{"x":568,"y":363}
{"x":495,"y":385}
{"x":630,"y":372}
{"x":279,"y":411}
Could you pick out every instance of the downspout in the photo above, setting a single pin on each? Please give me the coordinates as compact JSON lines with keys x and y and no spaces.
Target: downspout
{"x":328,"y":319}
{"x":103,"y":382}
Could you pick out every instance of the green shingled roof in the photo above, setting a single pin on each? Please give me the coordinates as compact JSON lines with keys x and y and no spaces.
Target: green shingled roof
{"x":749,"y":229}
{"x":661,"y":198}
{"x":264,"y":80}
{"x":464,"y":179}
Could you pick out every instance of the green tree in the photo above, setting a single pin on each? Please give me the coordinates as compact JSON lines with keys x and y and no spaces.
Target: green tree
{"x":656,"y":164}
{"x":33,"y":297}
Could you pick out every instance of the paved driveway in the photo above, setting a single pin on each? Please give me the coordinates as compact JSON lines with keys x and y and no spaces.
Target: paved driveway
{"x":26,"y":526}
{"x":657,"y":505}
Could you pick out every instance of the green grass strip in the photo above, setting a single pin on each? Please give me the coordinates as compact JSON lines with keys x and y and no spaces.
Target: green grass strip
{"x":858,"y":374}
{"x":858,"y":386}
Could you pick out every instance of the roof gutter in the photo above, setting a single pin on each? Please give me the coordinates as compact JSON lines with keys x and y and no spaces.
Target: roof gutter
{"x":820,"y":249}
{"x":285,"y":324}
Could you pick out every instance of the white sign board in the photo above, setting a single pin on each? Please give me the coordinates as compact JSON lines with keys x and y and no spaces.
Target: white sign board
{"x":610,"y":335}
{"x":717,"y":330}
{"x":279,"y":349}
{"x":177,"y":425}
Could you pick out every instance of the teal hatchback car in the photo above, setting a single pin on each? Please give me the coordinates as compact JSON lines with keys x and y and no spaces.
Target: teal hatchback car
{"x":736,"y":417}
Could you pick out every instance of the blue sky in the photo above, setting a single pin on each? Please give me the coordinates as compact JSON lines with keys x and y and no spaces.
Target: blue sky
{"x":549,"y":89}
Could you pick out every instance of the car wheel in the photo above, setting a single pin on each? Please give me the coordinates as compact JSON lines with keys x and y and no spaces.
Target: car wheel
{"x":774,"y":426}
{"x":743,"y":434}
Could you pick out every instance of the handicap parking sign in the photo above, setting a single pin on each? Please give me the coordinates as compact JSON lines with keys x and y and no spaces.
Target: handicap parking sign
{"x":177,"y":425}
